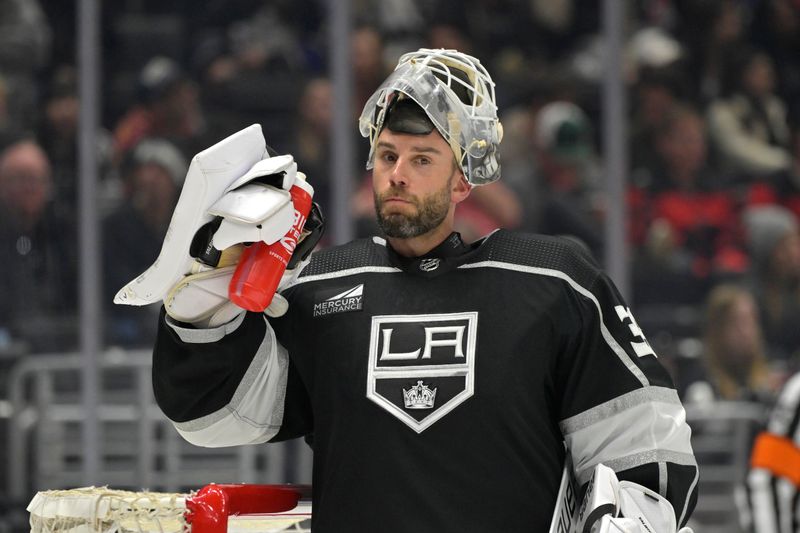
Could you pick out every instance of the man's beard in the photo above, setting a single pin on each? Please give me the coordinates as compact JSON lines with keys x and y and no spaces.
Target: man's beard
{"x":431,"y":211}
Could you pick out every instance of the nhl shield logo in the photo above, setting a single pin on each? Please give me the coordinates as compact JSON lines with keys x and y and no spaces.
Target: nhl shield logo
{"x":421,"y":367}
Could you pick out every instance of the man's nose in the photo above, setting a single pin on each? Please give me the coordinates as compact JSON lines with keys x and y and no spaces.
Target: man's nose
{"x":399,"y":176}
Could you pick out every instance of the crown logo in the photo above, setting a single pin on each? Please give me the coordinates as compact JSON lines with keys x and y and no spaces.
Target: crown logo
{"x":419,"y":397}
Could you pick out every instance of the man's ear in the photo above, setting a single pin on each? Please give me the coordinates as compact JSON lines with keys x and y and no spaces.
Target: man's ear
{"x":460,"y":189}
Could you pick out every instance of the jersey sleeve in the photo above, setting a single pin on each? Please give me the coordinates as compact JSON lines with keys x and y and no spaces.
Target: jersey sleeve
{"x":773,"y":482}
{"x":221,"y":386}
{"x":618,"y":405}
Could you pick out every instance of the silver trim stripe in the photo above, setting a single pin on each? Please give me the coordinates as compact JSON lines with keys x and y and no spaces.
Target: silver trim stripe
{"x":662,"y":479}
{"x":618,"y":405}
{"x":346,"y":272}
{"x":689,"y":493}
{"x":634,"y":427}
{"x":643,"y":458}
{"x":612,"y":343}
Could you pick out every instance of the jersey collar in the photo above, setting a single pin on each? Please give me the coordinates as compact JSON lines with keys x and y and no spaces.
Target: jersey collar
{"x":446,"y":256}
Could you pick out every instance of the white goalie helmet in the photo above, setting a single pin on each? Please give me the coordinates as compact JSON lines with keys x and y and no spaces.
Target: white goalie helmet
{"x":457,"y":94}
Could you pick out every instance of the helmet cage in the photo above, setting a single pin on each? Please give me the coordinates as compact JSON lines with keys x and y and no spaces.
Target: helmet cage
{"x":470,"y":128}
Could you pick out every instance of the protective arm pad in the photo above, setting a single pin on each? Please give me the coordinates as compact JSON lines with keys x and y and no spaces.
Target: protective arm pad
{"x":198,"y":367}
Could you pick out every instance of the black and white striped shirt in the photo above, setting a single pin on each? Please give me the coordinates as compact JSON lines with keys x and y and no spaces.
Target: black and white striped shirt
{"x":773,"y":482}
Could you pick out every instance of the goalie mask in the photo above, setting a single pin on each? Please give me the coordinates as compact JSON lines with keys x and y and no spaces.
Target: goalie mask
{"x":457,"y":96}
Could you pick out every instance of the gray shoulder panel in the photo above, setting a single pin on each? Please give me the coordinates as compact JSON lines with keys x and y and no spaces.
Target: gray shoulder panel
{"x":357,"y":254}
{"x":541,"y":251}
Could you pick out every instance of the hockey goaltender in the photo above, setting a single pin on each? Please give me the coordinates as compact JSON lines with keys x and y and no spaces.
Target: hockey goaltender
{"x":447,"y":385}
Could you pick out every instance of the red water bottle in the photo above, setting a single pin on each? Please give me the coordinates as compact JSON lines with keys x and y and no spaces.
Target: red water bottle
{"x":261,"y":266}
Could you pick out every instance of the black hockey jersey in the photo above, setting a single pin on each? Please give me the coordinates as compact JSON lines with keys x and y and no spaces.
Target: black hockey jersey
{"x":440,"y":391}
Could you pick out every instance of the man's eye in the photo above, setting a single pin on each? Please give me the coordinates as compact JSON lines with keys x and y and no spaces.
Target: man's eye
{"x":423,"y":161}
{"x":388,"y":157}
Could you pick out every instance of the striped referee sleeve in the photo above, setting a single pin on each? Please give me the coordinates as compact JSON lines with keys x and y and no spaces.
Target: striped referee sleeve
{"x":773,"y":483}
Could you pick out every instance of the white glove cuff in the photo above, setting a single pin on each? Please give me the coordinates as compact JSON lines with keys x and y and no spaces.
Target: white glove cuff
{"x":204,"y":335}
{"x":202,"y":299}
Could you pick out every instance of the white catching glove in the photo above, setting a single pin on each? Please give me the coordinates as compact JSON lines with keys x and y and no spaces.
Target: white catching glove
{"x":233,"y":193}
{"x":201,"y":299}
{"x":211,"y":174}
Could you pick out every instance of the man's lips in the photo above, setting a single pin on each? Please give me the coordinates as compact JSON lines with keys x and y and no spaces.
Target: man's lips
{"x":395,"y":199}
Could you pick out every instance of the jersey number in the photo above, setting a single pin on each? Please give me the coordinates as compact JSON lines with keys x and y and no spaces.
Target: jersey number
{"x":641,"y":347}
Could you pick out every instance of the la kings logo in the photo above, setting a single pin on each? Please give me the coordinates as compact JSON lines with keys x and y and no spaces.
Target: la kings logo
{"x":421,"y":367}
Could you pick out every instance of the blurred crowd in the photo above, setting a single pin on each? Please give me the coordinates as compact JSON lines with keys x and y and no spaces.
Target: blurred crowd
{"x":713,"y":197}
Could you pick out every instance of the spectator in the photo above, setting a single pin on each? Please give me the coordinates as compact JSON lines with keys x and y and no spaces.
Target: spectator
{"x":152,"y":177}
{"x":311,"y":141}
{"x":448,"y":36}
{"x":684,"y":225}
{"x":518,"y":158}
{"x":776,"y":29}
{"x":263,"y":37}
{"x":791,"y":192}
{"x":710,"y":30}
{"x":784,"y":187}
{"x":748,"y":124}
{"x":58,"y":135}
{"x":774,"y":239}
{"x":25,"y":38}
{"x":8,"y":128}
{"x":369,"y":69}
{"x":568,"y":201}
{"x":489,"y":207}
{"x":168,"y":107}
{"x":655,"y":93}
{"x":39,"y":253}
{"x":399,"y":24}
{"x":734,"y":361}
{"x":528,"y":90}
